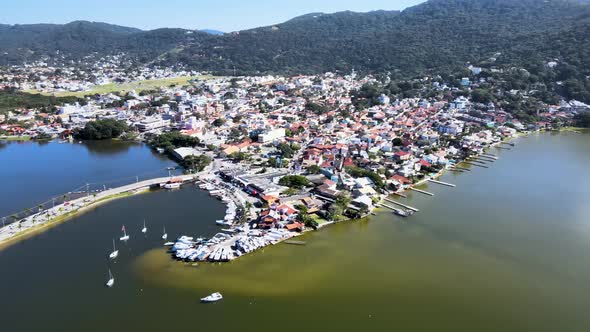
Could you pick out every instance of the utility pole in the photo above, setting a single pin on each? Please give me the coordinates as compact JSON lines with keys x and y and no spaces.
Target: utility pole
{"x":3,"y":221}
{"x":53,"y":202}
{"x":87,"y":190}
{"x":136,"y":179}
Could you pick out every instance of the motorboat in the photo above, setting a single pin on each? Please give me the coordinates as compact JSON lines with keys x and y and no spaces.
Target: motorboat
{"x":212,"y":298}
{"x":165,"y":235}
{"x":144,"y":229}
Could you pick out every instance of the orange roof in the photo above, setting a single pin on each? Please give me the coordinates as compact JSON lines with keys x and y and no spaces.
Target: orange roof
{"x":294,"y":226}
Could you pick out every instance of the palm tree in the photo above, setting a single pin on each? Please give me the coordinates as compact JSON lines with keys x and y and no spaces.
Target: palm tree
{"x":14,"y":217}
{"x":40,"y":207}
{"x":28,"y":211}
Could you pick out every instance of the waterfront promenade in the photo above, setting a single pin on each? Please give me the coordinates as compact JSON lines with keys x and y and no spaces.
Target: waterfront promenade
{"x":59,"y":213}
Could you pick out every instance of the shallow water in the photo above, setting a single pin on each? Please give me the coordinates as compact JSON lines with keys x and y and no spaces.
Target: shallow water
{"x":506,"y":250}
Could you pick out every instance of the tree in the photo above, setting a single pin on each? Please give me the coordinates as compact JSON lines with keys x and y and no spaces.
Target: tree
{"x":314,"y":169}
{"x":582,"y":120}
{"x":218,"y":122}
{"x":196,"y":163}
{"x":102,"y":129}
{"x":294,"y":181}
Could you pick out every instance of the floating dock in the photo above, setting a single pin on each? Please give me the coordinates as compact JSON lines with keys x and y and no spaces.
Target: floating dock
{"x":402,"y":205}
{"x":443,"y":183}
{"x":422,"y":191}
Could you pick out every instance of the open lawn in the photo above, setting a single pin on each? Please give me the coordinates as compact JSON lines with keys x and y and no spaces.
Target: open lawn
{"x":126,"y":87}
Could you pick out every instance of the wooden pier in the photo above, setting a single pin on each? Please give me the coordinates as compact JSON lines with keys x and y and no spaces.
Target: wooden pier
{"x":397,"y":211}
{"x":422,"y":191}
{"x":461,"y":168}
{"x":400,"y":195}
{"x":443,"y":183}
{"x":478,"y":165}
{"x":402,"y":205}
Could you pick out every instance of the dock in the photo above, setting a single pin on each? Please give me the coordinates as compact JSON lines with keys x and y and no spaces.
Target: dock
{"x":402,"y":205}
{"x":422,"y":191}
{"x":400,"y":195}
{"x":297,"y":243}
{"x":442,"y":183}
{"x":478,"y":165}
{"x":460,"y":168}
{"x":397,"y":211}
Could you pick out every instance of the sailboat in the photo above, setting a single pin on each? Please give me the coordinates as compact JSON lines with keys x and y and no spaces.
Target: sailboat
{"x":125,"y":237}
{"x":144,"y":229}
{"x":111,"y":280}
{"x":165,"y":235}
{"x":115,"y":252}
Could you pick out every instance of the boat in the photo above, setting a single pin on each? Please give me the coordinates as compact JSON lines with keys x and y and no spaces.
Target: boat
{"x":111,"y":280}
{"x":115,"y":252}
{"x":212,"y":298}
{"x":169,"y":244}
{"x":160,"y":150}
{"x":144,"y":229}
{"x":172,"y":184}
{"x":165,"y":235}
{"x":125,"y":237}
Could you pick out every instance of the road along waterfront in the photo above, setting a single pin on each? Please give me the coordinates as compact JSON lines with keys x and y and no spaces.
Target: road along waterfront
{"x":492,"y":254}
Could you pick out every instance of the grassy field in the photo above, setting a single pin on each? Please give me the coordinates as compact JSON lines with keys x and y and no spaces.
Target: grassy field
{"x":126,"y":87}
{"x":15,"y":138}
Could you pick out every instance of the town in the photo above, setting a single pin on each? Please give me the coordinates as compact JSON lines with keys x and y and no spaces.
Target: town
{"x":290,"y":154}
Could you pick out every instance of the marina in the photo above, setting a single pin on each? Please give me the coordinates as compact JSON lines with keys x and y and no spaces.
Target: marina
{"x":447,"y":258}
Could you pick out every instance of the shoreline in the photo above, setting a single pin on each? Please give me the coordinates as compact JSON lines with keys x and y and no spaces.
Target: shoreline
{"x":30,"y":226}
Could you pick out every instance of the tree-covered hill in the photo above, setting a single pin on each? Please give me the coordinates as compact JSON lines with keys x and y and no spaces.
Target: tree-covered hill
{"x":437,"y":36}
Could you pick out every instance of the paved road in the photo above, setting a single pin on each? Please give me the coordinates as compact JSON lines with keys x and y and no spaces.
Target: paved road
{"x":45,"y":216}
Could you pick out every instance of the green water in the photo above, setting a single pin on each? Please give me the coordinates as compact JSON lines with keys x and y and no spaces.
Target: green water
{"x":506,"y":250}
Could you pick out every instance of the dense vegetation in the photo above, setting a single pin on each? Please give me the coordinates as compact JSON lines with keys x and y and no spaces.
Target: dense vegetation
{"x":12,"y":99}
{"x":294,"y":181}
{"x":583,"y":120}
{"x":436,"y":37}
{"x":172,"y":140}
{"x":102,"y":129}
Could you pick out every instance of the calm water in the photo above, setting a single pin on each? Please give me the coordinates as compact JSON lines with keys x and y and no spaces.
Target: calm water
{"x":507,"y":250}
{"x":34,"y":172}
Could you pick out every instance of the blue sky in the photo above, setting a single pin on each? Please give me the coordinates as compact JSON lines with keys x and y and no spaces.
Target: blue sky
{"x":225,"y":15}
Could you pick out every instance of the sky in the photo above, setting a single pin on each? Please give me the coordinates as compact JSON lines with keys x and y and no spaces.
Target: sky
{"x":224,"y":15}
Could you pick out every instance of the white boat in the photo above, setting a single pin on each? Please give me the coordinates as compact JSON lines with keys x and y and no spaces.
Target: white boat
{"x":169,"y":244}
{"x":165,"y":235}
{"x":144,"y":229}
{"x":115,"y":252}
{"x":111,"y":280}
{"x":212,"y":298}
{"x":125,"y":237}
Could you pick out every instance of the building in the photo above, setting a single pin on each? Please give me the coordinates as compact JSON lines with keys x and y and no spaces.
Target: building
{"x":272,"y":135}
{"x":152,"y":124}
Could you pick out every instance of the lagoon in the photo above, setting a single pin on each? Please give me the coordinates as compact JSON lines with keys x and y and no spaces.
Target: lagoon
{"x":506,"y":250}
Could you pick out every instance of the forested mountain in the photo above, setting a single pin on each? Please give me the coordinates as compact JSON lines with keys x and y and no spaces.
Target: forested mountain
{"x":28,"y":42}
{"x":434,"y":37}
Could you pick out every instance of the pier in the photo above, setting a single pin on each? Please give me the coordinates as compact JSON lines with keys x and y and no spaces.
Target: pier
{"x":422,"y":191}
{"x":402,"y":205}
{"x":397,"y":211}
{"x":400,"y":195}
{"x":473,"y":164}
{"x":455,"y":167}
{"x":442,"y":183}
